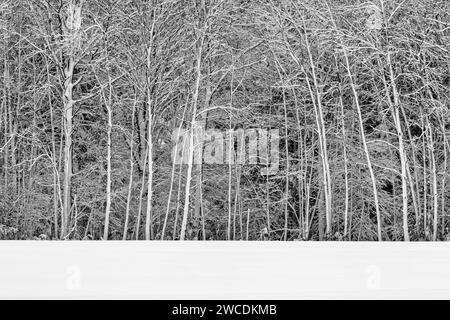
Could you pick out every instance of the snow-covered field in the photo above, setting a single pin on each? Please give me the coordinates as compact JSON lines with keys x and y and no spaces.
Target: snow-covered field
{"x":224,"y":270}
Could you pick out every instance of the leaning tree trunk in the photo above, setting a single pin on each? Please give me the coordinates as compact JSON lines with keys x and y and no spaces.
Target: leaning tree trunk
{"x":191,"y":137}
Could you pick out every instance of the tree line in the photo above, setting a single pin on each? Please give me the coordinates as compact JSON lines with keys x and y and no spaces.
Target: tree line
{"x":92,"y":91}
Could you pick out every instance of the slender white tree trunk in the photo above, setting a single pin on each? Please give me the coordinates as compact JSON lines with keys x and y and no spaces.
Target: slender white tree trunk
{"x":72,"y":41}
{"x":191,"y":137}
{"x":130,"y":179}
{"x":108,"y":104}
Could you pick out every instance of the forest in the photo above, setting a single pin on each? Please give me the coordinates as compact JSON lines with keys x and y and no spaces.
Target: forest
{"x":357,"y":92}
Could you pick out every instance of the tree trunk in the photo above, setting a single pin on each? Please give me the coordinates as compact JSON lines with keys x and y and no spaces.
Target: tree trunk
{"x":71,"y":30}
